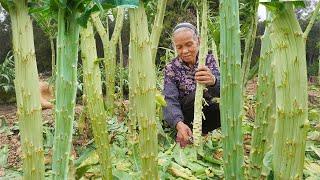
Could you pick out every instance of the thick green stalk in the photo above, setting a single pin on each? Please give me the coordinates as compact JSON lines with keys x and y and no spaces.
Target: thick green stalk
{"x":231,"y":89}
{"x":92,"y":84}
{"x":157,"y":28}
{"x":250,"y":42}
{"x":312,"y":20}
{"x":142,"y":91}
{"x":215,"y":52}
{"x":132,"y":95}
{"x":121,"y":67}
{"x":265,"y":109}
{"x":65,"y":89}
{"x":197,"y":120}
{"x":27,"y":91}
{"x":109,"y":47}
{"x":53,"y":57}
{"x":291,"y":92}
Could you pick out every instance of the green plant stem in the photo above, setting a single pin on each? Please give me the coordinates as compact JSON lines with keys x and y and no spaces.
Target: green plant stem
{"x":142,"y":89}
{"x":92,"y":85}
{"x":53,"y":56}
{"x":290,"y":74}
{"x":215,"y":52}
{"x":121,"y":67}
{"x":312,"y":20}
{"x":157,"y":28}
{"x":231,"y":89}
{"x":265,"y":109}
{"x":197,"y":122}
{"x":27,"y":91}
{"x":249,"y":44}
{"x":65,"y":90}
{"x":109,"y":47}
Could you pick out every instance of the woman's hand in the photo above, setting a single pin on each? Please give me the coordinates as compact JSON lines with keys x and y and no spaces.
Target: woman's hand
{"x":184,"y":134}
{"x":205,"y":76}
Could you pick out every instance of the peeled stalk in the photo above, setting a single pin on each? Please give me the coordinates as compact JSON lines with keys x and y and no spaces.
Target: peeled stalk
{"x":65,"y":89}
{"x":93,"y":90}
{"x":27,"y":91}
{"x":197,"y":122}
{"x":142,"y":91}
{"x":291,"y":98}
{"x":265,"y":109}
{"x":231,"y":89}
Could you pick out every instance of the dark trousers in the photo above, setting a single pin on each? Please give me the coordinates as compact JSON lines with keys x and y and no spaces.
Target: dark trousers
{"x":211,"y":113}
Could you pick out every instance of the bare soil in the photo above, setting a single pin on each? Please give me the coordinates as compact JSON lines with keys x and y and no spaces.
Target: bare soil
{"x":8,"y":112}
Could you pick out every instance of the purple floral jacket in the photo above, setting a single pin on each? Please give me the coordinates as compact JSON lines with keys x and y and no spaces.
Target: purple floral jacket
{"x":179,"y":81}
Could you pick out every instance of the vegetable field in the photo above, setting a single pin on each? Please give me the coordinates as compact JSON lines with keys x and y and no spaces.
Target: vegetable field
{"x":96,"y":111}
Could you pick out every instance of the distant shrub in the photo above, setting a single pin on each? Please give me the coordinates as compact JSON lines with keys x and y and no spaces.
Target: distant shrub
{"x":313,"y":69}
{"x":7,"y":76}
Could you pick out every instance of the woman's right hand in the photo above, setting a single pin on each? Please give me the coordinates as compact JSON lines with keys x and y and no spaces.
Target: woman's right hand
{"x":184,"y":134}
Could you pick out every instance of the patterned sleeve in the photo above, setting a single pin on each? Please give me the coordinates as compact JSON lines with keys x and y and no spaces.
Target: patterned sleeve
{"x":214,"y":90}
{"x":172,"y":112}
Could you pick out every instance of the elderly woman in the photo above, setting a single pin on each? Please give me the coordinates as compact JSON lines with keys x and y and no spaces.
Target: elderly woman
{"x":180,"y":78}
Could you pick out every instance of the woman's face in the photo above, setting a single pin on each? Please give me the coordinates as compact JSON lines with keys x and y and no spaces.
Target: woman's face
{"x":187,"y":46}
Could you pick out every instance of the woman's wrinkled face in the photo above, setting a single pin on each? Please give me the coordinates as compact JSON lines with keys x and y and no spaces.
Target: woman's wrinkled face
{"x":187,"y":45}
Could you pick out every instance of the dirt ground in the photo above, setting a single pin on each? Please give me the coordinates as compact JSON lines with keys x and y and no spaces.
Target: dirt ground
{"x":8,"y":113}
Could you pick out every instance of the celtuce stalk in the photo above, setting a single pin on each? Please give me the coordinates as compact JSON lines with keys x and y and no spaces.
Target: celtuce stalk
{"x":265,"y":109}
{"x":157,"y":28}
{"x":53,"y":56}
{"x":197,"y":122}
{"x":27,"y":91}
{"x":92,"y":85}
{"x":109,"y":48}
{"x":291,"y":97}
{"x":250,"y":42}
{"x":142,"y":89}
{"x":65,"y":89}
{"x":121,"y":67}
{"x":231,"y":89}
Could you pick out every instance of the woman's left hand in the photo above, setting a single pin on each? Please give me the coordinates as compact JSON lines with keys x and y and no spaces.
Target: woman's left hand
{"x":205,"y":76}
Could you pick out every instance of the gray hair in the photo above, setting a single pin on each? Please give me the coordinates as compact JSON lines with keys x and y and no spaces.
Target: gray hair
{"x":185,"y":26}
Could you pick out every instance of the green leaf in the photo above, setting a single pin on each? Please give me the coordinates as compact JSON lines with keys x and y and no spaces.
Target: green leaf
{"x":48,"y":140}
{"x":316,"y":150}
{"x":5,"y":4}
{"x":97,"y":2}
{"x":4,"y":128}
{"x":4,"y":152}
{"x":121,"y":175}
{"x":273,"y":5}
{"x":312,"y":169}
{"x":87,"y":163}
{"x":313,"y":115}
{"x":314,"y":136}
{"x":184,"y":156}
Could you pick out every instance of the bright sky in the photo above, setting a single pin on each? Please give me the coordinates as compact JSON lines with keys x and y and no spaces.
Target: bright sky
{"x":262,"y":12}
